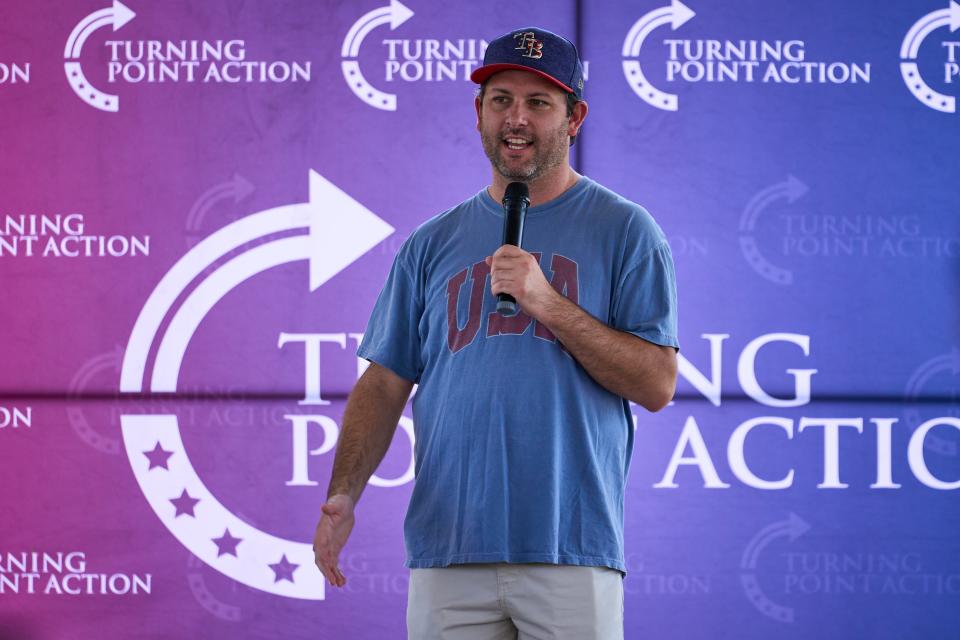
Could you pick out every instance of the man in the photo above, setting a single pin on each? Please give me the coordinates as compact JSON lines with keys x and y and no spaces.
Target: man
{"x":523,"y":428}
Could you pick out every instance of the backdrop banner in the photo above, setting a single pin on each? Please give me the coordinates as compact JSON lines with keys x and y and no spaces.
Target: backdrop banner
{"x":200,"y":204}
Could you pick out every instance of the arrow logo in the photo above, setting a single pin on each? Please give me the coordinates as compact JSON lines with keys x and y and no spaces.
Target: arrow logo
{"x":204,"y":597}
{"x":97,"y":365}
{"x":676,"y":15}
{"x":948,"y":364}
{"x":235,"y":189}
{"x":337,"y":231}
{"x":340,"y":230}
{"x":910,"y":71}
{"x":115,"y":16}
{"x":792,"y":528}
{"x":791,"y":190}
{"x":393,"y":14}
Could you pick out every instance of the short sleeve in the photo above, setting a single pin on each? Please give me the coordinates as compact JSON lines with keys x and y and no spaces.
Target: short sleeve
{"x":645,"y":302}
{"x":392,"y":337}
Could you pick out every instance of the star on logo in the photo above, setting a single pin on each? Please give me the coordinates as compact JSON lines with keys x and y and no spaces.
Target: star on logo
{"x":227,"y":544}
{"x":185,"y":504}
{"x":284,"y":569}
{"x":158,"y":457}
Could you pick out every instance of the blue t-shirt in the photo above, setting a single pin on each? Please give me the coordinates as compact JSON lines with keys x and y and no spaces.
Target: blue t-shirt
{"x":520,"y":455}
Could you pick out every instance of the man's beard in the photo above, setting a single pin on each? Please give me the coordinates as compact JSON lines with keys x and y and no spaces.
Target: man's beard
{"x":550,"y":151}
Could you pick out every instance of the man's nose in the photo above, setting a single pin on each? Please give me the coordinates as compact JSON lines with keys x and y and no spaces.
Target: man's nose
{"x":517,"y":115}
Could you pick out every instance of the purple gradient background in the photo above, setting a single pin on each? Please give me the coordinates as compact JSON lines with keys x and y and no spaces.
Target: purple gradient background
{"x":868,"y":149}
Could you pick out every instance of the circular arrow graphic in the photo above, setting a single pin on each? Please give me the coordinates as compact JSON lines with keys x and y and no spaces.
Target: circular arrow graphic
{"x":675,"y":15}
{"x":791,"y":189}
{"x":93,"y":367}
{"x":235,"y":189}
{"x":200,"y":592}
{"x":792,"y":528}
{"x":948,"y":363}
{"x":393,"y":14}
{"x":115,"y":16}
{"x":201,"y":300}
{"x":949,"y":17}
{"x":250,"y":559}
{"x":338,"y":230}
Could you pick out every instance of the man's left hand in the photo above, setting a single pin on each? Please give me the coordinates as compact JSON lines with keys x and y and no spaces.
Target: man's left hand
{"x":514,"y":271}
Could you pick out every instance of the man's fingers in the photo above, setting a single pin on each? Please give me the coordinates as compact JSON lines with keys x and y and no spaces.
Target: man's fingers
{"x":325,"y":558}
{"x":329,"y":569}
{"x":508,"y":254}
{"x":501,"y":284}
{"x":333,"y":574}
{"x":325,"y":571}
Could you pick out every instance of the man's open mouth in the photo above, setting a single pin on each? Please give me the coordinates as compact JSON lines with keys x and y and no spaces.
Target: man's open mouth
{"x":517,"y":144}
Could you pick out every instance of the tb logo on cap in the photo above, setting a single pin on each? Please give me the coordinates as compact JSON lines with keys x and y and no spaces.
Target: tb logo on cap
{"x":528,"y":43}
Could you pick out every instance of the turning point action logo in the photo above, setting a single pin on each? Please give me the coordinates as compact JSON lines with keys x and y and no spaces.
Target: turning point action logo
{"x":167,"y":61}
{"x":780,"y":229}
{"x":910,"y":49}
{"x":790,"y":190}
{"x":393,"y":14}
{"x":799,"y":569}
{"x":676,"y":15}
{"x":791,"y":528}
{"x":725,"y":61}
{"x":408,"y":60}
{"x":335,"y":230}
{"x":115,"y":16}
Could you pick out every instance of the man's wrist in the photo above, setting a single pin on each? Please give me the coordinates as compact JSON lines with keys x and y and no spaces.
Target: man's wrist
{"x":550,"y":307}
{"x":333,"y":492}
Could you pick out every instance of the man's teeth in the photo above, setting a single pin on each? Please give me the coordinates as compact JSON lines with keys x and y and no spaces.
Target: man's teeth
{"x":517,"y":143}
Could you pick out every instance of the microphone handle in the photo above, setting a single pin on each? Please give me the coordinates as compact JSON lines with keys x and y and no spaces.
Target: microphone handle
{"x":515,"y":212}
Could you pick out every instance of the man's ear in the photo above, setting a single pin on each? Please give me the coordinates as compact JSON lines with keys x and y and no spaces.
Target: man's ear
{"x":476,"y":105}
{"x":579,"y":114}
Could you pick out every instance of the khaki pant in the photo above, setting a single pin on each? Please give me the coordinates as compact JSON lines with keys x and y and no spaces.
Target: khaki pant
{"x":515,"y":601}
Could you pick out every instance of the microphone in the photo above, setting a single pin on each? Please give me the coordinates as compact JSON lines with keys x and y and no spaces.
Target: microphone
{"x":516,"y":199}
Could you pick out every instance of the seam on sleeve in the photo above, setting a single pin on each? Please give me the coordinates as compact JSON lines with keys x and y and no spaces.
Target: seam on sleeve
{"x":616,"y":301}
{"x":659,"y":245}
{"x":402,"y":260}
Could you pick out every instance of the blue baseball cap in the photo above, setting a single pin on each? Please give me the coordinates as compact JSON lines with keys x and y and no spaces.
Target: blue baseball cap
{"x":537,"y":50}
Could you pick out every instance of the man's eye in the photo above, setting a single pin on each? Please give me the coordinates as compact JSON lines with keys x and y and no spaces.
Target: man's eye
{"x":500,"y":99}
{"x":538,"y":103}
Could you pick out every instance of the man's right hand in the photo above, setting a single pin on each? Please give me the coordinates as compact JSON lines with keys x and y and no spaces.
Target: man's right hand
{"x":334,"y":528}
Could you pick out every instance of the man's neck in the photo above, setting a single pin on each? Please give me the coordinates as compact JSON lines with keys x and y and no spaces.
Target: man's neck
{"x":542,"y":190}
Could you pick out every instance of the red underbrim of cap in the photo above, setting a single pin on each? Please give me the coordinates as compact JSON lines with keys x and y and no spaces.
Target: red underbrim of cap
{"x":480,"y":75}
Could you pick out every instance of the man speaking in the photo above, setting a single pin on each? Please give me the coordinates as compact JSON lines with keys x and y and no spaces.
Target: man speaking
{"x":523,"y":428}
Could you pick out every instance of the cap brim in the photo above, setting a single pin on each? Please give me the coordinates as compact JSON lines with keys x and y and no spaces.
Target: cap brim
{"x":480,"y":75}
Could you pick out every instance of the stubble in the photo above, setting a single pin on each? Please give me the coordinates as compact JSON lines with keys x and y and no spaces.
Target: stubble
{"x":549,"y":152}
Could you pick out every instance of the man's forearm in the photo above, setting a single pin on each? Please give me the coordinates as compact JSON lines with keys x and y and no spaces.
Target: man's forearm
{"x":369,"y":422}
{"x":621,"y":362}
